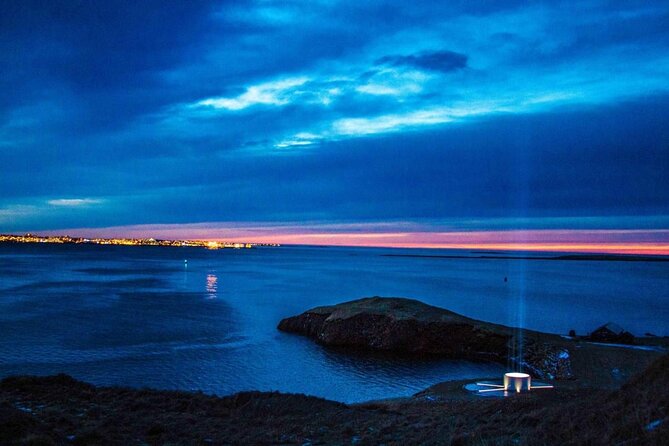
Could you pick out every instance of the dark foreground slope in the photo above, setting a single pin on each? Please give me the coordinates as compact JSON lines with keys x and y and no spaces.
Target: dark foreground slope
{"x":60,"y":410}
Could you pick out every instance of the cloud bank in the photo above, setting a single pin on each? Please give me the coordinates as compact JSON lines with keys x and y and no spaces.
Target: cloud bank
{"x":333,"y":111}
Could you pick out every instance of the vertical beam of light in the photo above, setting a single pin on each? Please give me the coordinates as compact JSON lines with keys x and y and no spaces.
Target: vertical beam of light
{"x":522,"y":178}
{"x":511,"y":292}
{"x":520,"y":313}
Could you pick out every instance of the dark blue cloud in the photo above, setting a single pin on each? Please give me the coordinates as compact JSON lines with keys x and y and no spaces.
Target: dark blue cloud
{"x":438,"y":60}
{"x":101,"y":58}
{"x":354,"y":111}
{"x":567,"y":164}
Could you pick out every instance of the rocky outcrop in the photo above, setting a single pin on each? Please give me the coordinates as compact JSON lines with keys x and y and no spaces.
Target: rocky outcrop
{"x":407,"y":326}
{"x":611,"y":333}
{"x":545,"y":360}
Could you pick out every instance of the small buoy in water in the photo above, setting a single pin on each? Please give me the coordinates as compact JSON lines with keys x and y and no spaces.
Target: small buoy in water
{"x":185,"y":263}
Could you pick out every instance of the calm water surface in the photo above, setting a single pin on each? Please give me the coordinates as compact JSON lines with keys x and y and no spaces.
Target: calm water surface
{"x":137,"y":316}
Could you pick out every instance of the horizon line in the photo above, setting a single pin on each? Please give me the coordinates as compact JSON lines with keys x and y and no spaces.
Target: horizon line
{"x":604,"y":241}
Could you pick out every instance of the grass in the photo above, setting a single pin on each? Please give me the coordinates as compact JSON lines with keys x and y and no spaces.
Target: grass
{"x":60,"y":410}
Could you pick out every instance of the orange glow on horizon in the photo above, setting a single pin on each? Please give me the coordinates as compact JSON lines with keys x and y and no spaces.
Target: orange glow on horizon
{"x":405,"y":241}
{"x":603,"y":241}
{"x":593,"y":248}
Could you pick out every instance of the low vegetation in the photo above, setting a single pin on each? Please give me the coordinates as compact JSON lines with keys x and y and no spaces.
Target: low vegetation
{"x":59,"y":410}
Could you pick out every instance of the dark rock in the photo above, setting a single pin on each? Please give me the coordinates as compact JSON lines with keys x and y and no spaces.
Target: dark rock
{"x":611,"y":333}
{"x":402,"y":326}
{"x":14,"y":423}
{"x":546,"y":361}
{"x":407,"y":326}
{"x":155,"y":429}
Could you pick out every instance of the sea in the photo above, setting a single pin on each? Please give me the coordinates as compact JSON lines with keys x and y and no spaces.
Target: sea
{"x":205,"y":320}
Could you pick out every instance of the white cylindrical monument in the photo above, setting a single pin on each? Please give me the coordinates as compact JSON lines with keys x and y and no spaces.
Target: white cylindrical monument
{"x":517,"y":381}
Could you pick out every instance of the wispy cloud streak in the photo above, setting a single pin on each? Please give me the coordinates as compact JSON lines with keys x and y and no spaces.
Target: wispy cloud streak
{"x":269,"y":93}
{"x":74,"y":202}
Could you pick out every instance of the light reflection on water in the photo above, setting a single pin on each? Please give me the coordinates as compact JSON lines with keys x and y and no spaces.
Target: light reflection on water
{"x":141,"y":317}
{"x":211,"y":285}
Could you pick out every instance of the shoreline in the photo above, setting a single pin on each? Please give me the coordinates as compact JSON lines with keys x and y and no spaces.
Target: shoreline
{"x":611,"y":382}
{"x":480,"y":253}
{"x":59,"y":410}
{"x":411,"y":328}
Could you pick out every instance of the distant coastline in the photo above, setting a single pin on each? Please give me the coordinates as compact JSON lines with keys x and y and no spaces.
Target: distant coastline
{"x":218,"y":244}
{"x":66,"y":239}
{"x":581,"y":257}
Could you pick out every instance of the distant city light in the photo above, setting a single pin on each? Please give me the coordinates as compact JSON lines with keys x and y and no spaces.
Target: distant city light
{"x":61,"y":239}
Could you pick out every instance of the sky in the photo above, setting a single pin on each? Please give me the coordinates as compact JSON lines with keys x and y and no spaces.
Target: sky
{"x":423,"y":123}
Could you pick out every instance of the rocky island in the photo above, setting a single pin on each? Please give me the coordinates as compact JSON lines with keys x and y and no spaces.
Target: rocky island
{"x":406,"y":326}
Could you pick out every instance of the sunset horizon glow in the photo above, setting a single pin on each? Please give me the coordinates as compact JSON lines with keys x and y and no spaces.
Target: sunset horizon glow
{"x":604,"y":241}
